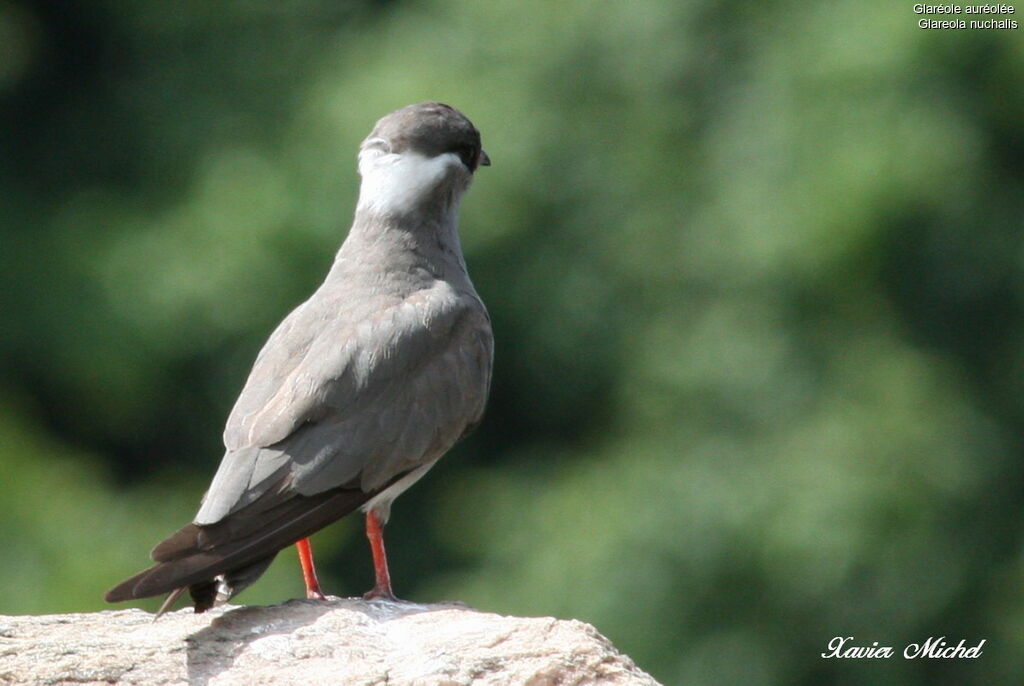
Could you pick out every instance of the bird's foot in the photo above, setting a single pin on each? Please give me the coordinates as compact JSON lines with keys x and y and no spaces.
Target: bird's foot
{"x":315,"y":594}
{"x":381,"y":593}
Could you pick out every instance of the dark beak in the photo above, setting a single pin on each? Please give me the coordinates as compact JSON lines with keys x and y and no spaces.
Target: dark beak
{"x":483,"y":160}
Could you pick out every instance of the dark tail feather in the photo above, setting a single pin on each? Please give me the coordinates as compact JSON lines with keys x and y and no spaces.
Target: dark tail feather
{"x":226,"y":586}
{"x":207,"y":552}
{"x":222,"y":587}
{"x":168,"y":601}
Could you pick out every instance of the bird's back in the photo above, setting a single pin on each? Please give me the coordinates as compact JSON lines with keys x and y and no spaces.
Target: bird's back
{"x":383,"y":368}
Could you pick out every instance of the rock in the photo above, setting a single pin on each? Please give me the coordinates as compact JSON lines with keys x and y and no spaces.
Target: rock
{"x":339,"y":641}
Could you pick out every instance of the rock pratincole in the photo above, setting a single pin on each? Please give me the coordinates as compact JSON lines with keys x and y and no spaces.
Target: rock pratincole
{"x":361,"y":389}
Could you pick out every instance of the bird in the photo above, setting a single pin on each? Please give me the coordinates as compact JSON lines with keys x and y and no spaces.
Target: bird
{"x":361,"y":389}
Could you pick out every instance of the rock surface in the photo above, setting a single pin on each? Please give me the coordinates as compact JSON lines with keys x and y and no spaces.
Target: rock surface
{"x":340,"y":641}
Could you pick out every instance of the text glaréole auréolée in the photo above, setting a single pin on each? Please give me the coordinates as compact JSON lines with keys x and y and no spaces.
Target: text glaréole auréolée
{"x":964,"y":9}
{"x":973,"y":10}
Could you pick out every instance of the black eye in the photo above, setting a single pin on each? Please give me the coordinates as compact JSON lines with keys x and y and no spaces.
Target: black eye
{"x":469,"y":154}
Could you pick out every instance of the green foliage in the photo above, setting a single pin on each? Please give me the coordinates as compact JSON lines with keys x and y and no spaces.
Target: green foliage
{"x":755,"y":272}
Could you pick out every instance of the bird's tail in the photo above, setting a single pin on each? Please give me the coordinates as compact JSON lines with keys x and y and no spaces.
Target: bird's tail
{"x":217,"y":561}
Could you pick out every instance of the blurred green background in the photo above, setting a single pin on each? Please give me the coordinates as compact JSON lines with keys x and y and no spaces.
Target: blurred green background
{"x":757,"y":279}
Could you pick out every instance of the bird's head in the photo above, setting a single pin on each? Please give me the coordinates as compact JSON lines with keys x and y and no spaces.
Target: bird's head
{"x":419,"y":157}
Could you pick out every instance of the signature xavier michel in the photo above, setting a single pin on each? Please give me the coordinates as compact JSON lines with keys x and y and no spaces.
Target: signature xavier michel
{"x":842,"y":647}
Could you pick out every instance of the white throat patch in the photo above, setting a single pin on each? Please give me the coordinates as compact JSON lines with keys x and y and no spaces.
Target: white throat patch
{"x":397,"y":183}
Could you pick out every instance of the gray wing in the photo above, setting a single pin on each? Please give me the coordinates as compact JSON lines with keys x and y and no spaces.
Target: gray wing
{"x":355,"y":396}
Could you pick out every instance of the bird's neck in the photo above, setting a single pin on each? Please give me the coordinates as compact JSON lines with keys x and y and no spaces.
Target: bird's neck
{"x":436,"y":216}
{"x":428,"y":240}
{"x":408,"y":214}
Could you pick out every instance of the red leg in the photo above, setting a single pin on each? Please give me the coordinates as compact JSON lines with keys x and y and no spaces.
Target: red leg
{"x":313,"y":591}
{"x":382,"y":587}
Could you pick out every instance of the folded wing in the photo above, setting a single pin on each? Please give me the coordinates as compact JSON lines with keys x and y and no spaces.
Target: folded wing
{"x":337,"y":408}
